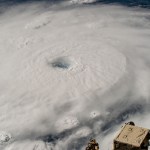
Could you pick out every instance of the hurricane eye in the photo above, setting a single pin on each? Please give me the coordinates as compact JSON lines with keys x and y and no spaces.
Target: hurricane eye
{"x":61,"y":63}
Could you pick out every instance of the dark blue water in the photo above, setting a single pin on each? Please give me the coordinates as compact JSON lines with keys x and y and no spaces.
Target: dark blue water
{"x":129,"y":3}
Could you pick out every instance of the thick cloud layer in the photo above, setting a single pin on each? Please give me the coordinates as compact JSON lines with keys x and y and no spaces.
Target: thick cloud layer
{"x":70,"y":72}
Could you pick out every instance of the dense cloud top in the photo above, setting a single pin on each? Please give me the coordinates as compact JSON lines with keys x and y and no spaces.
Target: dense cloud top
{"x":70,"y":72}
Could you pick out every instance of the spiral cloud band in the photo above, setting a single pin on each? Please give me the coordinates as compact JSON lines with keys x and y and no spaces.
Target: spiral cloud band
{"x":70,"y":71}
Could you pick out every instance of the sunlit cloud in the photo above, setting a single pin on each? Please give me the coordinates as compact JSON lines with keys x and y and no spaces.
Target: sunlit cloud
{"x":71,"y":72}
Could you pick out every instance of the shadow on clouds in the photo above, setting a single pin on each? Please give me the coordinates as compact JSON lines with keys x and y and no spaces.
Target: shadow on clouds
{"x":119,"y":113}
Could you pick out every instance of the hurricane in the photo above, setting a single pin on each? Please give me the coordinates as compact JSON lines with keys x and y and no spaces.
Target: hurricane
{"x":71,"y":70}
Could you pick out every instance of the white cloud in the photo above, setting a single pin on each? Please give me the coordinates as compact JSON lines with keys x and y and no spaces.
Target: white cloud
{"x":107,"y":50}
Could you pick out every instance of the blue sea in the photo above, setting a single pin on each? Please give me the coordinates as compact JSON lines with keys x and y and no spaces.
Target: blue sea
{"x":129,"y":3}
